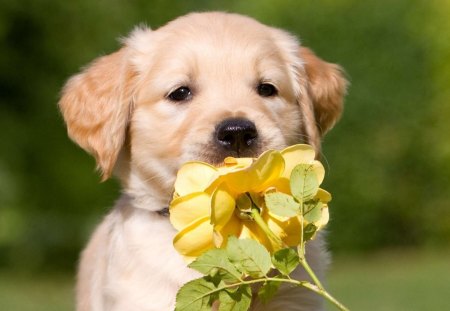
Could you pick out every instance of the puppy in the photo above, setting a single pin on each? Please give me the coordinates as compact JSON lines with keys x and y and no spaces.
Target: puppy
{"x":203,"y":87}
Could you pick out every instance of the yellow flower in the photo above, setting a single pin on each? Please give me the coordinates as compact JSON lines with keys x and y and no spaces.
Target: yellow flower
{"x":212,"y":203}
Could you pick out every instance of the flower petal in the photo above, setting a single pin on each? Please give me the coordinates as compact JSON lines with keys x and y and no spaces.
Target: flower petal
{"x":233,"y":164}
{"x":195,"y":239}
{"x":233,"y":227}
{"x":188,"y":208}
{"x":250,"y":230}
{"x":325,"y":217}
{"x":295,"y":155}
{"x":289,"y":230}
{"x":194,"y":177}
{"x":259,"y":175}
{"x":222,"y":206}
{"x":282,"y":184}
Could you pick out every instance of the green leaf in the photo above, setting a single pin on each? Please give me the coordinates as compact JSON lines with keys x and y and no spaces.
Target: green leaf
{"x":251,"y":257}
{"x":303,"y":182}
{"x":313,"y":211}
{"x":198,"y":295}
{"x":309,"y":231}
{"x":238,"y":300}
{"x":216,"y":262}
{"x":268,"y":290}
{"x":285,"y":260}
{"x":282,"y":204}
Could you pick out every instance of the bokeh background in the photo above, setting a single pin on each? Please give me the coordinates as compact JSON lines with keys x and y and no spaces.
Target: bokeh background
{"x":388,"y":160}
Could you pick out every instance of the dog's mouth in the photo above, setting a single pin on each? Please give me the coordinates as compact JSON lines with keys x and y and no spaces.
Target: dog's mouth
{"x":215,"y":156}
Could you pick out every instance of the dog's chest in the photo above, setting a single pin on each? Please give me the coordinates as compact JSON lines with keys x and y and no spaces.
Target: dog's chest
{"x":144,"y":270}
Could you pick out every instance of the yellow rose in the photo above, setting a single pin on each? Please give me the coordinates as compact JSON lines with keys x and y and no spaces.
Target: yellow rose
{"x":212,"y":203}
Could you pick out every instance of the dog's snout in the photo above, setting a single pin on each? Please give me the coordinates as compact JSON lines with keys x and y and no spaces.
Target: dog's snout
{"x":236,"y":134}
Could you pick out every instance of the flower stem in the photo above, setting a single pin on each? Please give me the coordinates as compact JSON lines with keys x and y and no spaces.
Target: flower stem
{"x":311,"y":273}
{"x":308,"y":285}
{"x":317,"y":287}
{"x":275,"y":240}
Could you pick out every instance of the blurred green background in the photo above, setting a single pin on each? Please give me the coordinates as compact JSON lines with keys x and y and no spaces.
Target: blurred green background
{"x":388,"y":160}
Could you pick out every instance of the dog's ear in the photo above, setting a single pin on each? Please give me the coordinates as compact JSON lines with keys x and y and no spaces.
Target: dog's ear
{"x":96,"y":105}
{"x":326,"y":86}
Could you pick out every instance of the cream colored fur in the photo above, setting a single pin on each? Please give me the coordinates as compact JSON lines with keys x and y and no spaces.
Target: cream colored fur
{"x":117,"y":109}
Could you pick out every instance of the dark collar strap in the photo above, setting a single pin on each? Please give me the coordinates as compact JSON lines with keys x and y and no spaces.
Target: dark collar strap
{"x":164,"y":212}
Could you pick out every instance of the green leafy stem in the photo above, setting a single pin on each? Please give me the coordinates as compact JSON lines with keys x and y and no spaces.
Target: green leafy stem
{"x":230,"y":271}
{"x":305,"y":284}
{"x":317,"y":288}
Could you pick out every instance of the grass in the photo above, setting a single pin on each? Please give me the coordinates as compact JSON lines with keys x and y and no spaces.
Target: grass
{"x":35,"y":293}
{"x":391,"y":281}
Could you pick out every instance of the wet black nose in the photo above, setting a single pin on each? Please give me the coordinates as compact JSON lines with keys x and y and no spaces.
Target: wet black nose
{"x":237,"y":134}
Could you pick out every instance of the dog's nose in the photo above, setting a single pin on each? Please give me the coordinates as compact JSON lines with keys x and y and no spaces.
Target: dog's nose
{"x":237,"y":134}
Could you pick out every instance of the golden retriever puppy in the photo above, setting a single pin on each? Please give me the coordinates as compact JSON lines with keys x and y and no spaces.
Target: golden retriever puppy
{"x":203,"y":87}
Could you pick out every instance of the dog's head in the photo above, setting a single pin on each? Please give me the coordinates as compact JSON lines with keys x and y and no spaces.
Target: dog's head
{"x":203,"y":87}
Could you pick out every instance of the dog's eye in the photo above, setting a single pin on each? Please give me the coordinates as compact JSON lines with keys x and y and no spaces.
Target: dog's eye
{"x":266,"y":90}
{"x":180,"y":94}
